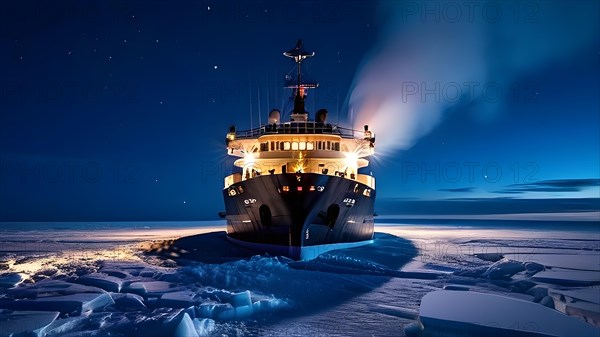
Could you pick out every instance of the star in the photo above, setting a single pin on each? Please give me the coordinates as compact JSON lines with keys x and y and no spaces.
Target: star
{"x":216,"y":67}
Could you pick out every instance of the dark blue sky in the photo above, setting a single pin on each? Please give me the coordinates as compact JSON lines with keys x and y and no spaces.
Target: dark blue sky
{"x":114,"y":110}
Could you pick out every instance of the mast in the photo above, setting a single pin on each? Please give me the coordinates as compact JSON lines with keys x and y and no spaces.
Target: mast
{"x":299,"y":55}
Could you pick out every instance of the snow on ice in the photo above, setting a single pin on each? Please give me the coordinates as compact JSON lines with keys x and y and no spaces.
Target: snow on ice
{"x":207,"y":293}
{"x":468,"y":313}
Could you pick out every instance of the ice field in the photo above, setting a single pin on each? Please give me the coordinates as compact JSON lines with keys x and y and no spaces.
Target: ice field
{"x":186,"y":279}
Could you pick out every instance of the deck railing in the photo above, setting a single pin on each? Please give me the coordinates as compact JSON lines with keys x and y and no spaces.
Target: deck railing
{"x":299,"y":128}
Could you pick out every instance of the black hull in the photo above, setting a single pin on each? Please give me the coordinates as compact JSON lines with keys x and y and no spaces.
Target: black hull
{"x":299,"y":210}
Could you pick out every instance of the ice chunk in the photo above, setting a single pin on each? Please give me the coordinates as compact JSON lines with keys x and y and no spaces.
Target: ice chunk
{"x":265,"y":305}
{"x":225,"y":312}
{"x":583,"y":302}
{"x":581,"y":294}
{"x":262,"y":305}
{"x":243,"y":311}
{"x":534,"y":267}
{"x":151,"y":288}
{"x":204,"y":327}
{"x":179,"y":299}
{"x":241,"y":299}
{"x":521,"y":285}
{"x":455,"y":287}
{"x":10,"y":280}
{"x":63,"y":326}
{"x":547,"y":302}
{"x":50,"y":288}
{"x":241,"y":308}
{"x":589,"y":312}
{"x":538,"y":293}
{"x":75,"y":303}
{"x":115,"y":273}
{"x":492,"y":257}
{"x":185,"y":328}
{"x":568,"y":277}
{"x":211,"y":310}
{"x":104,"y":281}
{"x":159,"y":322}
{"x":581,"y":260}
{"x":191,"y":311}
{"x":504,"y":268}
{"x":25,"y":323}
{"x":164,"y":322}
{"x":468,"y":313}
{"x":128,"y":301}
{"x":236,"y":313}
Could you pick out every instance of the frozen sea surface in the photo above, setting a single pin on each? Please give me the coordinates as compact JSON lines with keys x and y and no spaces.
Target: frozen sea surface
{"x":186,"y":279}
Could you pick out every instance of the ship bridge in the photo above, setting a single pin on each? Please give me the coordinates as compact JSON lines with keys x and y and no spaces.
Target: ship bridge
{"x":301,"y":147}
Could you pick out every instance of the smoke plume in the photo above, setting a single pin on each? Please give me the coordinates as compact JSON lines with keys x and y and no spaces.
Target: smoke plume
{"x":434,"y":56}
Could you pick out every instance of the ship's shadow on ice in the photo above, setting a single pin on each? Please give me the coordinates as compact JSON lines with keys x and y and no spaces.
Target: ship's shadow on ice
{"x":210,"y":247}
{"x":387,"y":251}
{"x":297,"y":287}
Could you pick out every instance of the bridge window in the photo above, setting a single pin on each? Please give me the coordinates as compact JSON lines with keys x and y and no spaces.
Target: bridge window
{"x":336,"y":146}
{"x":286,"y":146}
{"x":310,"y":146}
{"x":328,"y":145}
{"x":302,"y":146}
{"x":272,"y":146}
{"x":294,"y":146}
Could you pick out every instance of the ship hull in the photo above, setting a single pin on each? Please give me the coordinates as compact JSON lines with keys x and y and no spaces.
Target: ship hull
{"x":299,"y":215}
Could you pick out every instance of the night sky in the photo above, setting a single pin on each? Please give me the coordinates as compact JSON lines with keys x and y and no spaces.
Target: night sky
{"x":117,"y":110}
